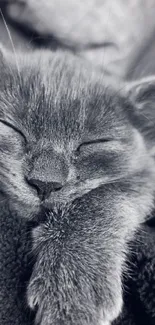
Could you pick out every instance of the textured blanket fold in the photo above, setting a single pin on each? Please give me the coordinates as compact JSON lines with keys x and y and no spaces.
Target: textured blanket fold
{"x":15,"y":269}
{"x":16,"y":266}
{"x":139,"y":288}
{"x":110,"y":34}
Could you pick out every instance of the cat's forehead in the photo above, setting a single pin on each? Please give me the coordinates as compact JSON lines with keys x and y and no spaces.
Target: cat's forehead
{"x":56,"y":97}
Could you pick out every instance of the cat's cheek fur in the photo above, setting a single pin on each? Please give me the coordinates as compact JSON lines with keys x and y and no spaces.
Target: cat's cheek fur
{"x":19,"y":196}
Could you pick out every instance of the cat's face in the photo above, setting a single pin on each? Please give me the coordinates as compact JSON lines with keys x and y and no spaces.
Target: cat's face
{"x":62,"y":133}
{"x":69,"y":150}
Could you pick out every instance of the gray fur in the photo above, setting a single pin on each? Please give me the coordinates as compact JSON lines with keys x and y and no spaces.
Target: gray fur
{"x":61,"y":123}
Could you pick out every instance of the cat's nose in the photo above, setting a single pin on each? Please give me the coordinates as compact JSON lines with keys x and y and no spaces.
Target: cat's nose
{"x":45,"y":188}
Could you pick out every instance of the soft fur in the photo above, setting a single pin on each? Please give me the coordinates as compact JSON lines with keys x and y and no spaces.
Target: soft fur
{"x":63,"y":127}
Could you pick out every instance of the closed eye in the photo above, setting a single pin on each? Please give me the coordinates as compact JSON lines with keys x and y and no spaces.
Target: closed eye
{"x":86,"y":143}
{"x":95,"y":141}
{"x":91,"y":144}
{"x":16,"y":129}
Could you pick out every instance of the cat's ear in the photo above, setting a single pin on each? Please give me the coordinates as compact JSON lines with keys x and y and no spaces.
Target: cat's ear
{"x":3,"y":67}
{"x":3,"y":59}
{"x":141,"y":90}
{"x":6,"y":65}
{"x":142,"y":95}
{"x":6,"y":56}
{"x":2,"y":54}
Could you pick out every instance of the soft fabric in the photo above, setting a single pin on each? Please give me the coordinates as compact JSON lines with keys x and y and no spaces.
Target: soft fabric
{"x":139,"y":287}
{"x":16,"y":263}
{"x":109,"y":33}
{"x":19,"y":39}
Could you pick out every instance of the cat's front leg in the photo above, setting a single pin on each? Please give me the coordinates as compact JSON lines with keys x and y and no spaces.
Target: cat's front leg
{"x":74,"y":285}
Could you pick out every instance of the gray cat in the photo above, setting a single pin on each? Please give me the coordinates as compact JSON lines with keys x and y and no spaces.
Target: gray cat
{"x":76,"y":158}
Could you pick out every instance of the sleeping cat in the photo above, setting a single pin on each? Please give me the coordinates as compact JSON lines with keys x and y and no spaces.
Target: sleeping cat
{"x":74,"y":159}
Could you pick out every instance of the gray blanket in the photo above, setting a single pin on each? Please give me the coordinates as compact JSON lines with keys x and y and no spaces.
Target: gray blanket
{"x":15,"y":268}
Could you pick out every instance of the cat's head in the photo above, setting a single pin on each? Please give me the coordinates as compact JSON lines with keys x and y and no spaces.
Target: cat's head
{"x":63,"y":131}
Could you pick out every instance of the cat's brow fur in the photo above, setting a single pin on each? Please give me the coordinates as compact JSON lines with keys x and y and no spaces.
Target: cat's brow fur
{"x":81,"y":240}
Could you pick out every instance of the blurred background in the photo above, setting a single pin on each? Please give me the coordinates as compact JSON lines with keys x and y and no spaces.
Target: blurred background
{"x":117,"y":36}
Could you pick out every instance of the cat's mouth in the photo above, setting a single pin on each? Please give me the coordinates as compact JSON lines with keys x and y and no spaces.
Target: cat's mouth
{"x":70,"y":192}
{"x":66,"y":196}
{"x":59,"y":200}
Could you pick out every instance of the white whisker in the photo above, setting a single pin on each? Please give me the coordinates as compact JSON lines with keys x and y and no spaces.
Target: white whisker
{"x":12,"y":44}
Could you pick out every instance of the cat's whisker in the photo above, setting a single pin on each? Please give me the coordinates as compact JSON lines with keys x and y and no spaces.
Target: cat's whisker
{"x":12,"y":44}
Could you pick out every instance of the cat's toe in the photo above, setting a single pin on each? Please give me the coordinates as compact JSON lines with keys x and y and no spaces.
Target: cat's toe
{"x":34,"y":293}
{"x":112,"y":302}
{"x":39,"y":301}
{"x":111,"y":313}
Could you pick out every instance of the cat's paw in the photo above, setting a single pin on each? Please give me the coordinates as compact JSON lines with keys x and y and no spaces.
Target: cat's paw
{"x":34,"y":293}
{"x":41,"y":300}
{"x":109,"y":314}
{"x":112,"y":304}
